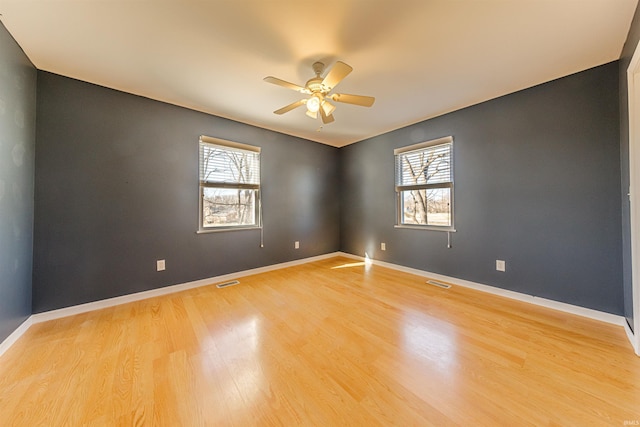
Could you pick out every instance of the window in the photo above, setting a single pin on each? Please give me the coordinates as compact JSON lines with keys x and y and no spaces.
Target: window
{"x":424,"y":185}
{"x":229,"y":185}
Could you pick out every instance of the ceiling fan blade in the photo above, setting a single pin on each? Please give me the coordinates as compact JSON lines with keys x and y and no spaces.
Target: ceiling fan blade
{"x":339,"y":71}
{"x":326,"y":118}
{"x":280,"y":82}
{"x":365,"y":101}
{"x":291,"y":106}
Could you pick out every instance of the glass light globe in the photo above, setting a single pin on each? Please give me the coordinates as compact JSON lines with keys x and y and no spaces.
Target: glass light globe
{"x":313,"y":104}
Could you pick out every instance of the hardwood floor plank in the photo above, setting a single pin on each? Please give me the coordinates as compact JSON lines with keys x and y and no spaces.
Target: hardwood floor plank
{"x":334,"y":342}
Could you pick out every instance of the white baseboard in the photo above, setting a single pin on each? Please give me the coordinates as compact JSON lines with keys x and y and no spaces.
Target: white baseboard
{"x":15,"y":335}
{"x":110,"y":302}
{"x":632,"y":338}
{"x":556,"y":305}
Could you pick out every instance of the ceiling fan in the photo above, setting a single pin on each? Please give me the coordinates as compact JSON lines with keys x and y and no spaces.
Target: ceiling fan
{"x":319,"y":88}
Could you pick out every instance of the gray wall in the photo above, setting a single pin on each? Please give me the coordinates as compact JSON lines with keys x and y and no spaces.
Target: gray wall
{"x":17,"y":142}
{"x":537,"y":184}
{"x":625,"y":59}
{"x":117,"y":189}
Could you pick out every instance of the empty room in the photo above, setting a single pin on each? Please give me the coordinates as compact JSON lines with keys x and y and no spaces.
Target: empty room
{"x":337,"y":213}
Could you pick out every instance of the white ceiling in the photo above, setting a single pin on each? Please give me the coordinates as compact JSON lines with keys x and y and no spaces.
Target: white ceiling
{"x":418,"y":58}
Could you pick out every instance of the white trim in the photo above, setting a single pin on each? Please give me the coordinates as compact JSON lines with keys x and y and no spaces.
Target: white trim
{"x":228,"y":228}
{"x":633,"y":72}
{"x":15,"y":335}
{"x":426,"y":227}
{"x":631,"y":337}
{"x":232,"y":144}
{"x":110,"y":302}
{"x":543,"y":302}
{"x":421,"y":145}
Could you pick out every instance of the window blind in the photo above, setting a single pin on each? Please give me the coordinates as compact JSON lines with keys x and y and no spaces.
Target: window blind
{"x":423,"y":165}
{"x":228,"y":163}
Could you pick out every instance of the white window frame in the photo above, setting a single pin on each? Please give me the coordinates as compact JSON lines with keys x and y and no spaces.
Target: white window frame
{"x":400,"y":187}
{"x":231,"y":147}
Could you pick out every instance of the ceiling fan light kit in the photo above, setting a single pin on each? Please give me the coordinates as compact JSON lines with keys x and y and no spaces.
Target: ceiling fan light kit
{"x":319,"y":88}
{"x":313,"y":103}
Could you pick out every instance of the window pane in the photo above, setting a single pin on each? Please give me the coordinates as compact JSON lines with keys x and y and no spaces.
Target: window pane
{"x":226,"y":165}
{"x":430,"y":165}
{"x":223,"y":207}
{"x":426,"y":207}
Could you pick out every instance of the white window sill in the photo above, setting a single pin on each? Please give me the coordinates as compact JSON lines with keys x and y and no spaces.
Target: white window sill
{"x":221,"y":229}
{"x":427,"y":227}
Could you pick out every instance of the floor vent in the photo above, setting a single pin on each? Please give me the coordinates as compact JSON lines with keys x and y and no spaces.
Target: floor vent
{"x":225,"y":284}
{"x":438,"y":284}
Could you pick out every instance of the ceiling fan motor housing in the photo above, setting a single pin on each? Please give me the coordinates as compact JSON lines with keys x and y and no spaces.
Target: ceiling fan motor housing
{"x":315,"y":85}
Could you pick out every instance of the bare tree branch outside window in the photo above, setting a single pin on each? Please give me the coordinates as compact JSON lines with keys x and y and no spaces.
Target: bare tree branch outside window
{"x":230,"y":184}
{"x":424,"y":185}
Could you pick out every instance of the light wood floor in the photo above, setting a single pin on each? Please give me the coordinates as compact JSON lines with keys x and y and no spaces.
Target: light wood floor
{"x":331,"y":343}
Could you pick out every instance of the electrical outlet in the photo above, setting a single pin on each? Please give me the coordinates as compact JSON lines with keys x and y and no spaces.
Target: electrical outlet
{"x":501,"y":265}
{"x":383,"y":246}
{"x":160,"y":265}
{"x":296,"y":245}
